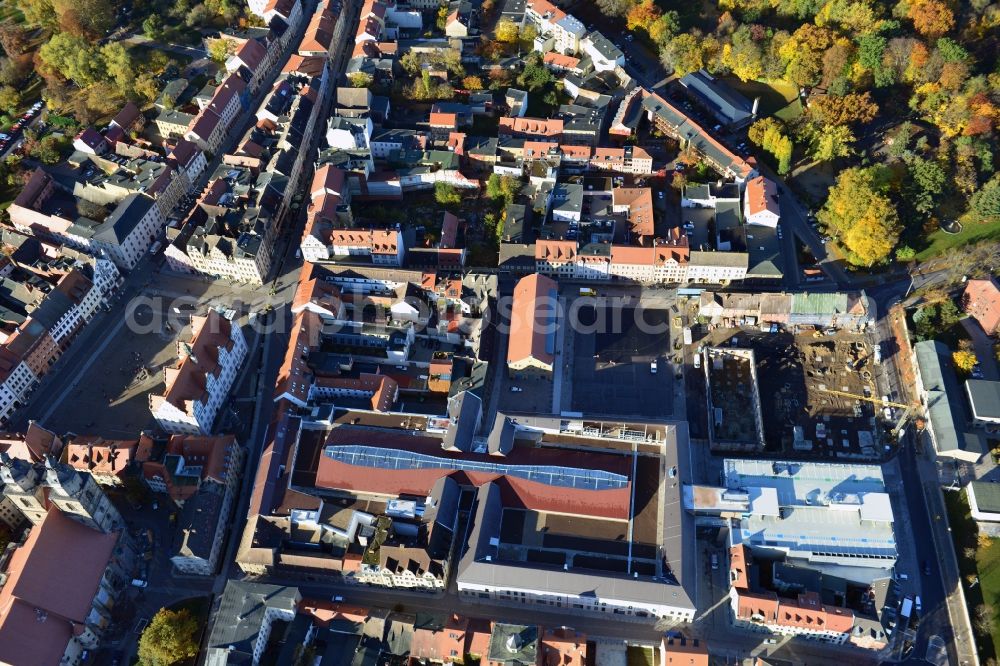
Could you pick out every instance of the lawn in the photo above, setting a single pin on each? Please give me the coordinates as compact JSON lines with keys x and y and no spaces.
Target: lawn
{"x":640,"y":656}
{"x":985,"y":565}
{"x":938,"y":242}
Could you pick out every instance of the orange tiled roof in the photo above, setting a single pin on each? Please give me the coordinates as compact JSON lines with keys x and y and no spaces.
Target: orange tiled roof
{"x":528,"y":337}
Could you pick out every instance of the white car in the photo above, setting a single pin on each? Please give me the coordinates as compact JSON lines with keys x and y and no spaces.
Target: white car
{"x":516,"y":389}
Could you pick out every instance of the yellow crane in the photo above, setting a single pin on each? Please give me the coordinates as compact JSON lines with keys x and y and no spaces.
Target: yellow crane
{"x":908,"y":410}
{"x":868,"y":398}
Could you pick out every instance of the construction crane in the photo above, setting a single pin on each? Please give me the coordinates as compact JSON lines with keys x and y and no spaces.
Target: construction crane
{"x":868,"y":398}
{"x":907,"y":409}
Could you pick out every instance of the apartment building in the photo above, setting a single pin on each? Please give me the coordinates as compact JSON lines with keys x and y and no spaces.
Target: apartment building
{"x":760,"y":205}
{"x":215,"y":120}
{"x":198,"y":385}
{"x":201,"y":475}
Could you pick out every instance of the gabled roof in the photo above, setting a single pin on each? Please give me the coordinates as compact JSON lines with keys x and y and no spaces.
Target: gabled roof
{"x":555,"y":251}
{"x":449,"y":231}
{"x":128,"y":116}
{"x":532,"y":126}
{"x":762,"y":195}
{"x":53,"y":579}
{"x":532,"y":329}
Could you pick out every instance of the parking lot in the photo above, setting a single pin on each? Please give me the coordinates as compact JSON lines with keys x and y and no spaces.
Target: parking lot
{"x":610,"y":369}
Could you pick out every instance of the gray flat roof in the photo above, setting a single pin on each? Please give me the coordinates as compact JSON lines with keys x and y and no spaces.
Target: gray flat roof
{"x":984,"y":396}
{"x":240,"y":616}
{"x":946,"y":415}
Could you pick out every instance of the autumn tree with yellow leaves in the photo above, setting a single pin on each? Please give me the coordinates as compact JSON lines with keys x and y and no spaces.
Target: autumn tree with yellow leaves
{"x":860,"y":214}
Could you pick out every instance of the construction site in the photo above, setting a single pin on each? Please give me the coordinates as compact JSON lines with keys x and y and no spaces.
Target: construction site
{"x":816,"y":390}
{"x":734,"y":411}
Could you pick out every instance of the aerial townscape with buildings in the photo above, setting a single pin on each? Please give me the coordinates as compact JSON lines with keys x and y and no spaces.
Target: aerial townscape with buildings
{"x":499,"y":333}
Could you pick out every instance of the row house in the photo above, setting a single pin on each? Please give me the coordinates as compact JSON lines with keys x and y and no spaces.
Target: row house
{"x":127,"y":234}
{"x":30,"y":351}
{"x":670,"y":120}
{"x":201,"y":475}
{"x":198,"y":385}
{"x":44,"y":208}
{"x":258,"y":59}
{"x":805,"y":616}
{"x":189,"y":160}
{"x":237,"y":245}
{"x":325,"y":30}
{"x":212,"y":124}
{"x":531,"y":128}
{"x":629,"y":159}
{"x":665,"y":262}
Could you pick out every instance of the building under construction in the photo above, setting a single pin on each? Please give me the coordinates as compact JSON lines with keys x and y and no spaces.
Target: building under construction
{"x":734,"y":414}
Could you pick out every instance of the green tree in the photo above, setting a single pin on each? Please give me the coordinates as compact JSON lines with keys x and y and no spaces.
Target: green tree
{"x":871,"y":56}
{"x":768,"y":133}
{"x":10,"y":99}
{"x":119,"y":66}
{"x":447,"y":194}
{"x":906,"y":253}
{"x":441,"y":20}
{"x":169,"y":638}
{"x":829,"y":143}
{"x":502,"y":189}
{"x":614,"y":8}
{"x":986,"y":201}
{"x":925,"y":183}
{"x":72,"y":58}
{"x":360,"y":79}
{"x":219,"y":50}
{"x":528,"y":33}
{"x":535,"y":75}
{"x":858,"y":211}
{"x":683,"y":54}
{"x":152,"y":27}
{"x":38,"y":12}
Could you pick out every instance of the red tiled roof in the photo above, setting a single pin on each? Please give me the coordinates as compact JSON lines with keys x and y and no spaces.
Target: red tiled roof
{"x":528,"y":335}
{"x":251,"y":53}
{"x":762,"y":195}
{"x":328,"y":179}
{"x":33,"y":445}
{"x":551,"y":127}
{"x":627,"y":254}
{"x":186,"y":382}
{"x":981,"y":300}
{"x":555,"y":251}
{"x":444,"y":120}
{"x":57,"y":572}
{"x":99,"y":456}
{"x":559,"y":60}
{"x":449,"y":231}
{"x":639,"y":201}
